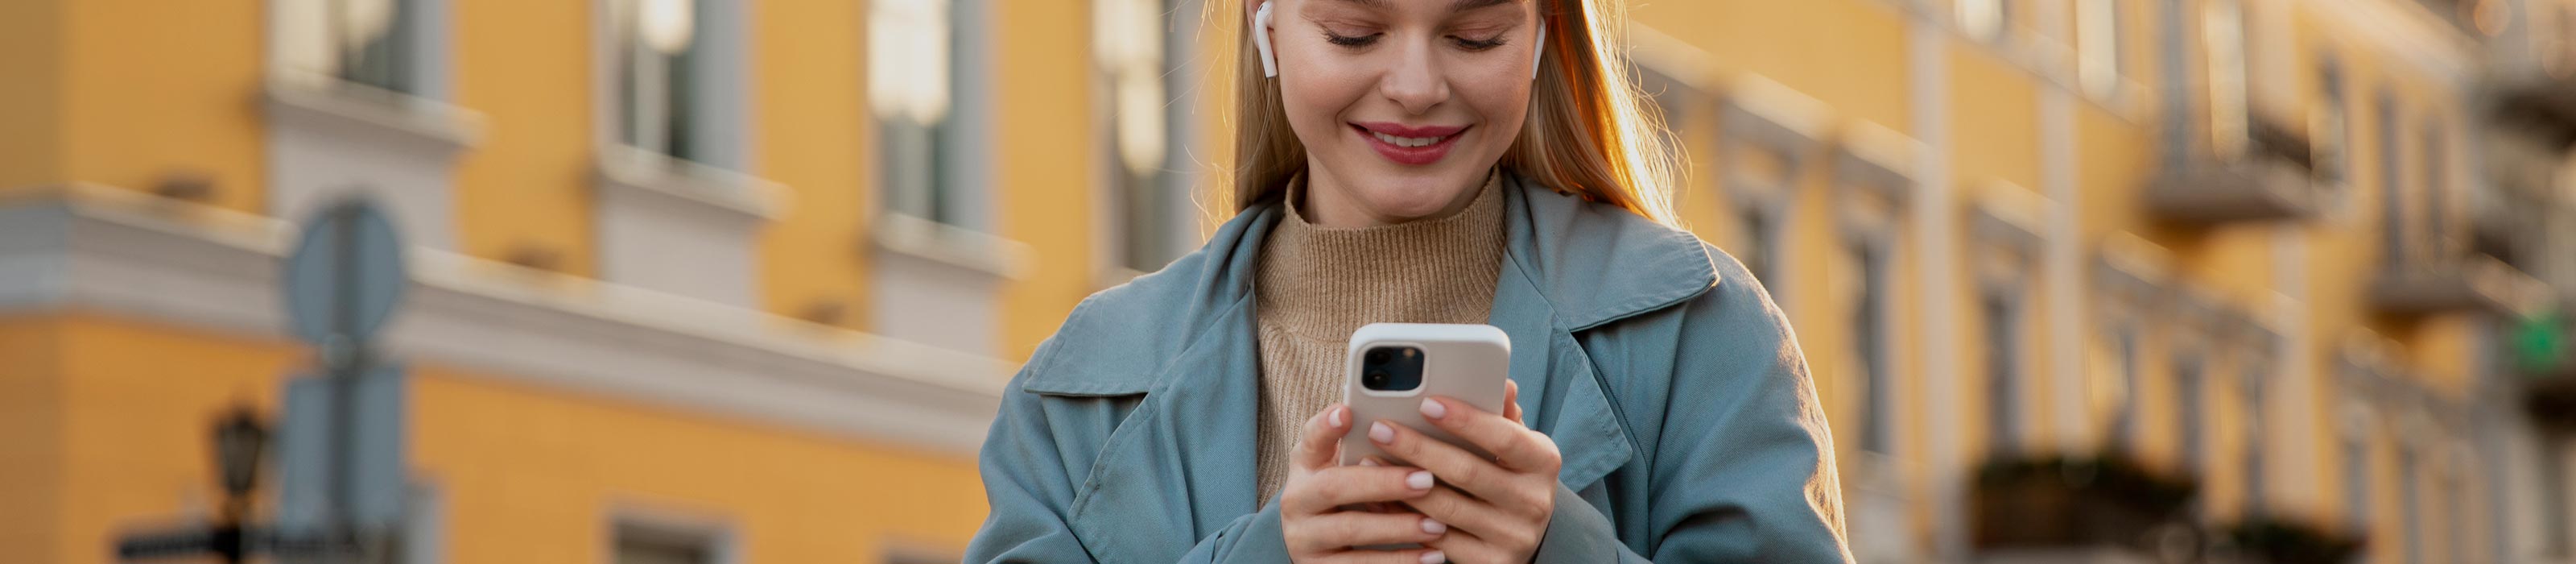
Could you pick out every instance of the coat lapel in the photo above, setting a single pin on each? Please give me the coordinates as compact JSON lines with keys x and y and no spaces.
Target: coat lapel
{"x":1183,"y":461}
{"x":1560,"y":394}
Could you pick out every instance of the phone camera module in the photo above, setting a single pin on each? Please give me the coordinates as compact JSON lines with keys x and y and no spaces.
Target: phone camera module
{"x":1391,"y":369}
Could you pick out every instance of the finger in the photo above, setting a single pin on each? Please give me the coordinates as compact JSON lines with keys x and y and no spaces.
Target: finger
{"x":1342,"y":530}
{"x":1379,"y":506}
{"x":1345,"y":485}
{"x":1462,"y":546}
{"x":1447,"y":462}
{"x":1512,"y":402}
{"x":1405,"y":556}
{"x":1462,"y":513}
{"x":1513,"y":445}
{"x":1318,"y":443}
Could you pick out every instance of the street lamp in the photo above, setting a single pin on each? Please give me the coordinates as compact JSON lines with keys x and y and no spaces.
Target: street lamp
{"x":240,"y":440}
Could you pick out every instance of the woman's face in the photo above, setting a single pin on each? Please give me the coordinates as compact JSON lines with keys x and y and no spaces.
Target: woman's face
{"x":1403,"y":105}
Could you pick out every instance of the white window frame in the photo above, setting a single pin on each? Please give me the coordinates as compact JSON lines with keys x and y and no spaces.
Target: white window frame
{"x":720,"y":127}
{"x":329,"y":138}
{"x":2355,"y":434}
{"x":2254,"y":391}
{"x":723,"y":544}
{"x":2395,"y":248}
{"x":1131,"y":244}
{"x":2130,"y":288}
{"x":2005,"y":225}
{"x":2330,"y":133}
{"x":2101,"y":49}
{"x":301,"y":36}
{"x":958,"y":192}
{"x":1761,"y":117}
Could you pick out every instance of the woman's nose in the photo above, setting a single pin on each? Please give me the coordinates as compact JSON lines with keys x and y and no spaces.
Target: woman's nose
{"x":1415,"y":83}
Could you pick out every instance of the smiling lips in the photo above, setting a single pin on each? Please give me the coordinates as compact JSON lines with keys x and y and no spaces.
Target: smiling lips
{"x":1409,"y":145}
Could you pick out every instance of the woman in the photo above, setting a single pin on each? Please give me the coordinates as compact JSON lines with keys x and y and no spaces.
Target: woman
{"x":1450,"y":161}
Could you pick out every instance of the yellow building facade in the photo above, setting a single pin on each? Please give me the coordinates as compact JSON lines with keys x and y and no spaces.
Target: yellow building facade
{"x":724,"y":281}
{"x":2259,"y":243}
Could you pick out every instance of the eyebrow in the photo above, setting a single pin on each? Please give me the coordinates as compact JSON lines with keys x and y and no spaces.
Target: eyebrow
{"x":1455,"y":6}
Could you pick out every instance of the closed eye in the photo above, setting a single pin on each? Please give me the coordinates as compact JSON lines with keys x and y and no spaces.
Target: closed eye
{"x":1477,"y":44}
{"x":1353,"y":41}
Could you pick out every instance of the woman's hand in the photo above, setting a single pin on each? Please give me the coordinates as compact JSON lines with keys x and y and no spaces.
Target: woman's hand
{"x":1498,"y":509}
{"x":1313,"y":513}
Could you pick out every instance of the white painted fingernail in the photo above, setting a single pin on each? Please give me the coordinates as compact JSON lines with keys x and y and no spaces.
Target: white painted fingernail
{"x":1433,"y":409}
{"x":1419,"y":479}
{"x":1434,"y":557}
{"x":1335,"y":418}
{"x":1381,"y":433}
{"x":1368,"y":462}
{"x":1433,"y":527}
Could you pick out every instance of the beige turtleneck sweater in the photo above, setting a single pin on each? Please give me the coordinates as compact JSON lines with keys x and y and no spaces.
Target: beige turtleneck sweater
{"x":1318,"y":284}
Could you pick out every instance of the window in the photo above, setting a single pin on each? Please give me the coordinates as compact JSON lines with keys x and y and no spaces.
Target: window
{"x":2254,"y":427}
{"x":1759,"y":254}
{"x":1870,"y":320}
{"x":912,"y":93}
{"x":2410,"y":503}
{"x":2223,"y":40}
{"x":2356,"y":477}
{"x":2190,"y":377}
{"x":2437,"y":188}
{"x":2003,"y":369}
{"x":2124,"y":422}
{"x":1130,"y":44}
{"x":2098,"y":46}
{"x":2333,"y":137}
{"x":368,"y":42}
{"x":652,"y":544}
{"x":2554,"y":502}
{"x":659,"y":56}
{"x":2455,"y":496}
{"x":2392,"y":187}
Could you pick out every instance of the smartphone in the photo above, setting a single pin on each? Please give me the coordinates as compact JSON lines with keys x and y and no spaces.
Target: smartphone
{"x":1391,"y":367}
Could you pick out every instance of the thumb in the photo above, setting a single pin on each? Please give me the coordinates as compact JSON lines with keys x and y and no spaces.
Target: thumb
{"x":1316,"y":444}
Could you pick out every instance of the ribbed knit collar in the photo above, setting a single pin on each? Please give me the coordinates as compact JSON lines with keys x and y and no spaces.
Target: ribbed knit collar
{"x":1323,"y":283}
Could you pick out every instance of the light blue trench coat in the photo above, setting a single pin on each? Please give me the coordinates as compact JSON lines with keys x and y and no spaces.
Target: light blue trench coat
{"x":1672,"y":385}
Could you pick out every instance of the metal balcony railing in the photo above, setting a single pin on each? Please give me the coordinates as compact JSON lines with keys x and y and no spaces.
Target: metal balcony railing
{"x":2470,"y":283}
{"x":2274,"y":178}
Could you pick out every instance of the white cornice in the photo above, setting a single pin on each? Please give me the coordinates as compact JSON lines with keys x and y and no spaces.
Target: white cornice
{"x":103,"y":249}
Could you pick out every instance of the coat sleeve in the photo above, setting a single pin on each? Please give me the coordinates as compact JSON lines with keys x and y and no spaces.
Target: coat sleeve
{"x":1743,"y":468}
{"x":1031,"y":498}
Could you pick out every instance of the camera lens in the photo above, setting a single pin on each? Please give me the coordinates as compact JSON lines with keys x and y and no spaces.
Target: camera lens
{"x":1374,"y":379}
{"x":1377,"y":356}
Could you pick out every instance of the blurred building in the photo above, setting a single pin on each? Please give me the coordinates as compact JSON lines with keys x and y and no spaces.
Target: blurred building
{"x":2280,"y":246}
{"x":725,"y":281}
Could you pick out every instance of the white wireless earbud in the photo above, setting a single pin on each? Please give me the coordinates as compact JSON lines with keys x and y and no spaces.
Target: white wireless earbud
{"x":1538,"y":49}
{"x":1261,"y":41}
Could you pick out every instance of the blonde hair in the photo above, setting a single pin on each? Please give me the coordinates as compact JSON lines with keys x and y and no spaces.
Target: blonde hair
{"x":1587,"y":133}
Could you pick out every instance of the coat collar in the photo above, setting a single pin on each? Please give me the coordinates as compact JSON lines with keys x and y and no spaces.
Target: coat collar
{"x":1184,"y":338}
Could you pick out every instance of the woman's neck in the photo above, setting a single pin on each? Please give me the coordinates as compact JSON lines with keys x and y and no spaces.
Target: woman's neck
{"x":1330,"y":203}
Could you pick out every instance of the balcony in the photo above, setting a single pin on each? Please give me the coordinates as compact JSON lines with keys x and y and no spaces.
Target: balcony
{"x":2473,"y":283}
{"x":2274,"y":178}
{"x":2550,"y":395}
{"x":2531,"y":87}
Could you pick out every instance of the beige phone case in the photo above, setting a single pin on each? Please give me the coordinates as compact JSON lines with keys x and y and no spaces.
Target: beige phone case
{"x":1465,"y":362}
